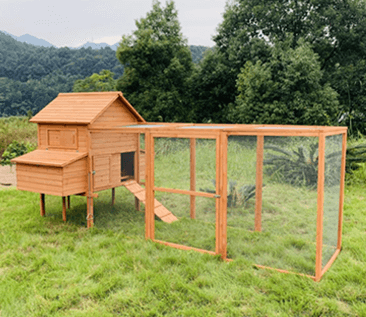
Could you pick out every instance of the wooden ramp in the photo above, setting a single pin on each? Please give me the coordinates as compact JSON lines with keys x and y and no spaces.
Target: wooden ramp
{"x":140,"y":193}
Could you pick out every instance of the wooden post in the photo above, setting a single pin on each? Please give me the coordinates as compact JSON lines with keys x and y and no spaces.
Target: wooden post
{"x":341,"y":194}
{"x":259,"y":184}
{"x":42,"y":203}
{"x":193,"y":177}
{"x":68,"y":202}
{"x":89,"y":200}
{"x":223,"y":195}
{"x":149,"y":183}
{"x":137,"y":171}
{"x":113,"y":196}
{"x":90,"y":212}
{"x":218,"y":191}
{"x":320,"y":202}
{"x":63,"y":208}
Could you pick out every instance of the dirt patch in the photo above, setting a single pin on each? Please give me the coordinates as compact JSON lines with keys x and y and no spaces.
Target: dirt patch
{"x":7,"y":176}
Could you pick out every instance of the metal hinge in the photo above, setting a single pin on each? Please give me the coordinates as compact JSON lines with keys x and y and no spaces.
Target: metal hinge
{"x":93,"y":172}
{"x":217,"y":196}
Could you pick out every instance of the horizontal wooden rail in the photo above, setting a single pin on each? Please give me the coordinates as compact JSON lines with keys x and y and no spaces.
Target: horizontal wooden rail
{"x":186,"y":192}
{"x":183,"y":247}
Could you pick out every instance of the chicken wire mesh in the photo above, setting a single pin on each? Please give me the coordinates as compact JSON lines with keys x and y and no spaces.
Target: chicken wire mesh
{"x":172,"y":169}
{"x":287,"y":239}
{"x":332,"y":181}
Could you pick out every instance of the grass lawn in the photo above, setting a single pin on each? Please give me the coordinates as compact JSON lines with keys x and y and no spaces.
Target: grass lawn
{"x":51,"y":268}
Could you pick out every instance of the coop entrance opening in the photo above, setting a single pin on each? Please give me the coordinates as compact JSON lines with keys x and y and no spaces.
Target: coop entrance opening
{"x":127,"y":166}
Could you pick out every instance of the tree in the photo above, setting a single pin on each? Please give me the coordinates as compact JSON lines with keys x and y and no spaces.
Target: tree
{"x":158,"y":66}
{"x":285,"y":90}
{"x":97,"y":82}
{"x":335,"y":30}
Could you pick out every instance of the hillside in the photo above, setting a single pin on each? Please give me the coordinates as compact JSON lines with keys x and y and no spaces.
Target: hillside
{"x":31,"y":76}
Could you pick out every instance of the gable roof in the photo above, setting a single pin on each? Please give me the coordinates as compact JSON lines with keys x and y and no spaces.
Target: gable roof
{"x":81,"y":108}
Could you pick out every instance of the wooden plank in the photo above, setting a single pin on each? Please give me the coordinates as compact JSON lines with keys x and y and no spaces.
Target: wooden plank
{"x":137,"y":169}
{"x":35,"y":179}
{"x":320,"y":202}
{"x":184,"y":247}
{"x":39,"y":188}
{"x":193,"y":177}
{"x":283,"y":271}
{"x":259,"y":184}
{"x":330,"y":262}
{"x":185,"y":192}
{"x":218,"y":201}
{"x":64,"y":208}
{"x":149,"y":210}
{"x":223,"y":199}
{"x":341,"y":190}
{"x":47,"y":191}
{"x":42,"y":203}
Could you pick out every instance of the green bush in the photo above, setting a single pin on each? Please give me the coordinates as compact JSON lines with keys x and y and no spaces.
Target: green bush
{"x":16,"y":149}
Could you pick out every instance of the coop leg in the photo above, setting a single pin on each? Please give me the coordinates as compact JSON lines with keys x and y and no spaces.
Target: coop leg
{"x":90,"y":213}
{"x":68,"y":202}
{"x":64,"y":208}
{"x":113,"y":196}
{"x":42,"y":201}
{"x":137,"y":204}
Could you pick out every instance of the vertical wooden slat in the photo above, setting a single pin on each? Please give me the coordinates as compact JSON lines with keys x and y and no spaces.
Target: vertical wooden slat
{"x":193,"y":177}
{"x":113,"y":196}
{"x":63,"y":208}
{"x":259,"y":184}
{"x":42,"y":203}
{"x":137,"y":170}
{"x":90,"y":209}
{"x":68,"y":202}
{"x":320,"y":202}
{"x":149,"y":183}
{"x":218,"y":201}
{"x":341,"y":194}
{"x":223,"y":194}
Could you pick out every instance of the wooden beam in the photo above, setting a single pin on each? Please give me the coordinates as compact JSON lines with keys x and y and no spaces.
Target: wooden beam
{"x":184,"y":247}
{"x":218,"y":191}
{"x":341,"y":191}
{"x":42,"y":203}
{"x":185,"y":192}
{"x":193,"y":177}
{"x":223,"y":194}
{"x":259,"y":184}
{"x":63,"y":208}
{"x":149,"y":207}
{"x":137,"y":170}
{"x":320,"y":202}
{"x":330,"y":262}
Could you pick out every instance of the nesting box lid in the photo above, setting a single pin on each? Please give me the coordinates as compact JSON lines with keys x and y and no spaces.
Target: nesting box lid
{"x":49,"y":158}
{"x":81,"y":108}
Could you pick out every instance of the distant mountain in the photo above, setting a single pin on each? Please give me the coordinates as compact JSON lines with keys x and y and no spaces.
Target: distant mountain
{"x":30,"y":39}
{"x":98,"y":46}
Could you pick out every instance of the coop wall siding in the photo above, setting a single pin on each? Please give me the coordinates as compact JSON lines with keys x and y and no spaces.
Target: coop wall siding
{"x":39,"y":179}
{"x":81,"y":137}
{"x":110,"y":143}
{"x":116,"y":114}
{"x":75,"y":178}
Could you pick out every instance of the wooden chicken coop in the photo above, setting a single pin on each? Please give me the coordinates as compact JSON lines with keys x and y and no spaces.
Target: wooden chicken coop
{"x":286,"y":182}
{"x":78,"y":154}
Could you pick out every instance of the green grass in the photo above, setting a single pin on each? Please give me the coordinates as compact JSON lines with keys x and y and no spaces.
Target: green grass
{"x":16,"y":129}
{"x":51,"y":268}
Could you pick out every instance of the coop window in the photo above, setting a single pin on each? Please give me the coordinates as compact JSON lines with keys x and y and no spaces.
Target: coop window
{"x":127,"y":165}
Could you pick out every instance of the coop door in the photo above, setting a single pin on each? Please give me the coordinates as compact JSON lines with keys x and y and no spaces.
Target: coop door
{"x":101,"y":167}
{"x":127,"y":165}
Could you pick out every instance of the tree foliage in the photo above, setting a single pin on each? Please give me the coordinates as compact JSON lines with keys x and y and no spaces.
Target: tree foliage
{"x":97,"y":82}
{"x":287,"y":89}
{"x":334,"y":29}
{"x":158,"y":66}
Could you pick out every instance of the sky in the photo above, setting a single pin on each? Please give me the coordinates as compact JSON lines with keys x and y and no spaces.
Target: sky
{"x":73,"y":23}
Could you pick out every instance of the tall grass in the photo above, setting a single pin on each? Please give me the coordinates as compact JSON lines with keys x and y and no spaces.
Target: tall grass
{"x":16,"y":129}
